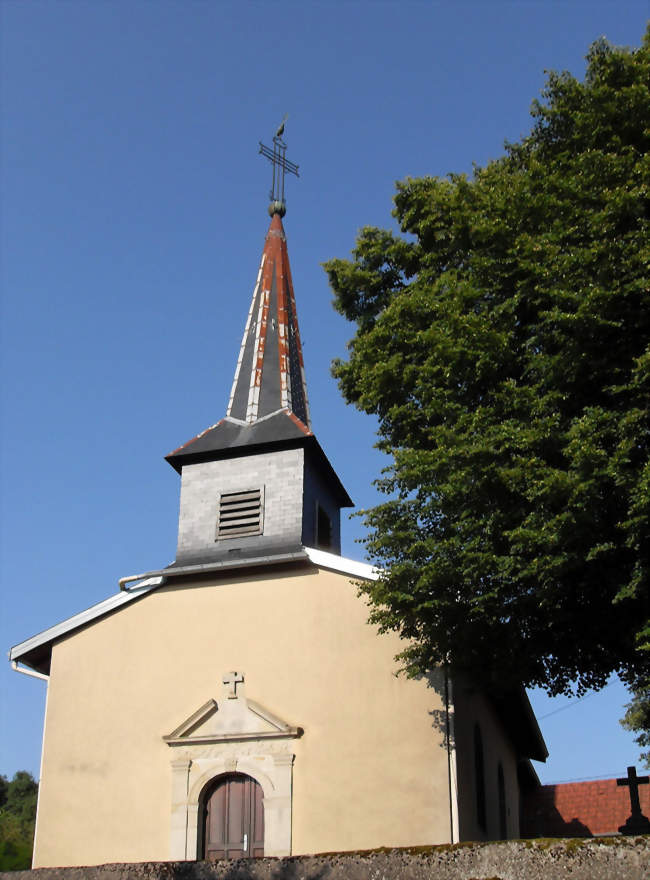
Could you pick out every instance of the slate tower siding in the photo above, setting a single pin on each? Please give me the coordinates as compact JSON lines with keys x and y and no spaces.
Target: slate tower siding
{"x":280,"y":473}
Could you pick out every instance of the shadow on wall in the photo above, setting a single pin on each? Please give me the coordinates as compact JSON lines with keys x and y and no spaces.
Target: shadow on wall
{"x":547,"y":821}
{"x":439,"y":719}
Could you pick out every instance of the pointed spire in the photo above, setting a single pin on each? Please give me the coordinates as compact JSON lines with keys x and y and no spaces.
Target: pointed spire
{"x":270,"y":374}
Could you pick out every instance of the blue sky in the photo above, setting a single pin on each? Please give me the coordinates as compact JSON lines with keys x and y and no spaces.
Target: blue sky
{"x":134,"y":212}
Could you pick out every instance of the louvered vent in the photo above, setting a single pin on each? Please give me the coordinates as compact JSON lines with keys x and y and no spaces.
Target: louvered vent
{"x":241,"y":514}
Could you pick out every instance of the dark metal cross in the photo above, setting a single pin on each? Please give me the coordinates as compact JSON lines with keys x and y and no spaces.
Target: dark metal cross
{"x":634,"y":782}
{"x":281,"y":165}
{"x":637,"y":822}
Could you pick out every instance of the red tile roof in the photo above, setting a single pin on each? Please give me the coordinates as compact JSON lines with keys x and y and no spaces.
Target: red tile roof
{"x":579,"y":809}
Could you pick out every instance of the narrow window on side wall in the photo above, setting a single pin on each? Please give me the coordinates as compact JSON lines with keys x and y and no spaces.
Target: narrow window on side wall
{"x":503,"y":819}
{"x":479,"y":776}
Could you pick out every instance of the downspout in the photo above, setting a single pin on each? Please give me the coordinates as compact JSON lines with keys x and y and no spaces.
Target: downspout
{"x":451,"y":763}
{"x":37,"y":817}
{"x":136,"y":577}
{"x":33,"y":674}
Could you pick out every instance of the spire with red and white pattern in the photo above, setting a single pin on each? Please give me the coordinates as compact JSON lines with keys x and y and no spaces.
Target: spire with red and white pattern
{"x":270,"y":373}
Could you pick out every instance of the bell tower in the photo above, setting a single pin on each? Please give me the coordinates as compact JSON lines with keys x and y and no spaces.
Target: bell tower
{"x":257,"y":485}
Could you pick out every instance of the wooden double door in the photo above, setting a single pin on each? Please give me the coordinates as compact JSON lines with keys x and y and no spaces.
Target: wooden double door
{"x":233,"y":818}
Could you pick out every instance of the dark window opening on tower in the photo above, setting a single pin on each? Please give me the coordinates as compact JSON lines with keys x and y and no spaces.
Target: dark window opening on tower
{"x":324,"y":530}
{"x":240,"y":514}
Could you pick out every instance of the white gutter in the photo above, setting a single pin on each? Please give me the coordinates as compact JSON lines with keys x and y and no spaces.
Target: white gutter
{"x":318,"y":557}
{"x":136,"y":577}
{"x":207,"y":567}
{"x":30,"y":672}
{"x":342,"y":564}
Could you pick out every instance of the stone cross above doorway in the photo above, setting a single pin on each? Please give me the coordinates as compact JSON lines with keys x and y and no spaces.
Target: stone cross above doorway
{"x":231,"y":680}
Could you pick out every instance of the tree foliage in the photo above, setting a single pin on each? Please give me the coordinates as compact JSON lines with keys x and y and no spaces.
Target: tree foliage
{"x":637,"y":718}
{"x":17,"y":817}
{"x":503,"y":342}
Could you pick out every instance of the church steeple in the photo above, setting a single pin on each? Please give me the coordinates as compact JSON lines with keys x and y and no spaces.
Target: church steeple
{"x":257,"y":486}
{"x":270,"y":373}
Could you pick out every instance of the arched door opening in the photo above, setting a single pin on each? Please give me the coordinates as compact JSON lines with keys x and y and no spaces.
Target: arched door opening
{"x":233,"y":818}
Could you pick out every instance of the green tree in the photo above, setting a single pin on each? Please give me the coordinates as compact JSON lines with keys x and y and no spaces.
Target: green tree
{"x":503,"y":343}
{"x":637,"y":718}
{"x":17,"y":817}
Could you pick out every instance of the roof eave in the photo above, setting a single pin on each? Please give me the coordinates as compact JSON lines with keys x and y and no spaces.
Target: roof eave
{"x":35,"y":652}
{"x":178,"y":460}
{"x":522,"y":724}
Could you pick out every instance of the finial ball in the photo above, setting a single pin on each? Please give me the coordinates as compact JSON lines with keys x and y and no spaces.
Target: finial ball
{"x":277,"y":207}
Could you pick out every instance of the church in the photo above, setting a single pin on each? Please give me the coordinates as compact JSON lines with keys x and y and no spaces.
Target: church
{"x":237,"y":703}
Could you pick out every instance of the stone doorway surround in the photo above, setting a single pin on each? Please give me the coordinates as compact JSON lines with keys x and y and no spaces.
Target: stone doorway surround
{"x":233,"y":735}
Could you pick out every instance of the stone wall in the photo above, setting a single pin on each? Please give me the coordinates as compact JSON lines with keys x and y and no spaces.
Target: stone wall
{"x":595,"y":859}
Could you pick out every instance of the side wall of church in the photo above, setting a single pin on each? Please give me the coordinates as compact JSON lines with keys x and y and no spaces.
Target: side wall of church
{"x":472,"y":710}
{"x":370,"y":769}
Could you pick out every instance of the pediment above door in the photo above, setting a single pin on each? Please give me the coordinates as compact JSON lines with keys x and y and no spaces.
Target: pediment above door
{"x":233,"y":718}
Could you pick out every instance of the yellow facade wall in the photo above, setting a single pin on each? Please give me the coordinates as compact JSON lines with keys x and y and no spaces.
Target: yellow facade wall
{"x":370,"y":769}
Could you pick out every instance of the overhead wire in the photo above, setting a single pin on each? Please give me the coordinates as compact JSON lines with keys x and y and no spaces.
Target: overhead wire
{"x":574,"y":702}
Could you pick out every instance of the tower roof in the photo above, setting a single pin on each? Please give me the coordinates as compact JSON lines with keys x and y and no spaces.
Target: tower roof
{"x":270,"y":374}
{"x":268,"y":405}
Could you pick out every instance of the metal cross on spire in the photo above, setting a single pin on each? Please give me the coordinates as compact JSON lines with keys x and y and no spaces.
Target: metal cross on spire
{"x":281,"y":165}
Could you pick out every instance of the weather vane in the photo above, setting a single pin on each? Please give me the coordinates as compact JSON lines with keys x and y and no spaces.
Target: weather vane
{"x":277,"y":157}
